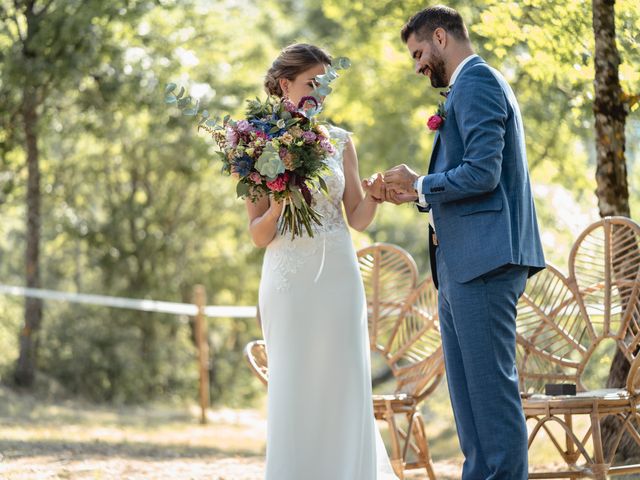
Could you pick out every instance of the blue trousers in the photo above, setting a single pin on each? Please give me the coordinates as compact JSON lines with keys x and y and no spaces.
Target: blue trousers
{"x":478,"y":327}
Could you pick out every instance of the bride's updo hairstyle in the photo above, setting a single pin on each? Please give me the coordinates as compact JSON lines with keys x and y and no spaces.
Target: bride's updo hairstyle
{"x":291,"y":62}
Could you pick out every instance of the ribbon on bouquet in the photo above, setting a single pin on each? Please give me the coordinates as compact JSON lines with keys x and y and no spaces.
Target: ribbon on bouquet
{"x":324,"y":252}
{"x":284,"y":204}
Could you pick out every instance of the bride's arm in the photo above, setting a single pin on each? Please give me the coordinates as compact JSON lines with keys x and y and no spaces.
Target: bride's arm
{"x":263,"y":220}
{"x":360,"y":208}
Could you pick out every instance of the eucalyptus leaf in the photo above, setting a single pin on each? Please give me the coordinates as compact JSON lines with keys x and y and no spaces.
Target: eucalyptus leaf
{"x":211,"y":122}
{"x":342,"y":63}
{"x":323,"y":185}
{"x":323,"y":91}
{"x":296,"y":197}
{"x":330,"y":75}
{"x":170,"y":87}
{"x":242,"y":189}
{"x":169,"y":99}
{"x":181,"y":93}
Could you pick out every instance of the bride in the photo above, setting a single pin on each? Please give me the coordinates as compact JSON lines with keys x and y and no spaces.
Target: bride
{"x":320,"y":423}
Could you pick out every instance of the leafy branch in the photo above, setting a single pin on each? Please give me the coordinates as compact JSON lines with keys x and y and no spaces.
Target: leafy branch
{"x":191,"y":107}
{"x":323,"y":81}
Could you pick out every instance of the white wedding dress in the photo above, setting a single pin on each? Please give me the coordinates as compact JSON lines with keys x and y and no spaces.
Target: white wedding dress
{"x":320,"y":423}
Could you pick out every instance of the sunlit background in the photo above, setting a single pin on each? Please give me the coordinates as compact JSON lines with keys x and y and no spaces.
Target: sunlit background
{"x":134,"y":204}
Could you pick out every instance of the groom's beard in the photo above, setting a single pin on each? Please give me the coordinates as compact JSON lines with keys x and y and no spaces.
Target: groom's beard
{"x":438,"y":73}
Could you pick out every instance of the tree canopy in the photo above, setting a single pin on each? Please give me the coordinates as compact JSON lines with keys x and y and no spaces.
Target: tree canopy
{"x":133,"y":201}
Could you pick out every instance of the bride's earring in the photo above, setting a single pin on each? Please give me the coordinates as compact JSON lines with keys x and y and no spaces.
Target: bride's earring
{"x":285,"y":88}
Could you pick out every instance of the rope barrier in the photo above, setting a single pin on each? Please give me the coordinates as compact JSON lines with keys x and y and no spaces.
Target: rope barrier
{"x":130,"y":303}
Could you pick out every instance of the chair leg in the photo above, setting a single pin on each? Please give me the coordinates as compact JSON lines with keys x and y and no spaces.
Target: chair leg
{"x":571,"y":454}
{"x":599,"y":468}
{"x":420,"y":437}
{"x":396,"y":456}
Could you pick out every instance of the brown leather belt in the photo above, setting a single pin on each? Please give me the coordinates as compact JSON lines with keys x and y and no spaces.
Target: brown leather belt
{"x":434,"y":239}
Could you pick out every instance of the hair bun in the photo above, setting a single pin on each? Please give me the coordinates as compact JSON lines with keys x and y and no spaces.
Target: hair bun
{"x":271,"y":84}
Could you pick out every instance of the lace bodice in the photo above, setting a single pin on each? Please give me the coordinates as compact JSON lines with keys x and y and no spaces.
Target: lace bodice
{"x":285,"y":255}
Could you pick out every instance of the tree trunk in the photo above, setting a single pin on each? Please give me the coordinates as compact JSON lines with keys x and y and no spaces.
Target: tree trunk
{"x":610,"y":115}
{"x":611,"y":174}
{"x":25,"y":370}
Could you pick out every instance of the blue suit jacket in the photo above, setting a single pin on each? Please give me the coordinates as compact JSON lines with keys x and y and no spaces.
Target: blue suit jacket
{"x":478,"y":183}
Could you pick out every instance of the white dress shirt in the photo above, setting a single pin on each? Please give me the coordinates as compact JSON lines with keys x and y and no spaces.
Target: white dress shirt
{"x":418,"y":185}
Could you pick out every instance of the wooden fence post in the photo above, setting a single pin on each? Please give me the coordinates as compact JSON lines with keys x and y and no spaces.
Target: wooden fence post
{"x":200,"y":299}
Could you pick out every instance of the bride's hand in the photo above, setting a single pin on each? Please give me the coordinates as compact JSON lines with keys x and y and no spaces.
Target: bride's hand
{"x":275,"y":208}
{"x":374,"y":186}
{"x":398,"y":198}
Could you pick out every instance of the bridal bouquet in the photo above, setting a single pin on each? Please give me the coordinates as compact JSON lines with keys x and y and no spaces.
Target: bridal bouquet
{"x":278,"y":149}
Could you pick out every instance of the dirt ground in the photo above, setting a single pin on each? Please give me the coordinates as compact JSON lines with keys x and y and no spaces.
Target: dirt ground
{"x":72,"y":440}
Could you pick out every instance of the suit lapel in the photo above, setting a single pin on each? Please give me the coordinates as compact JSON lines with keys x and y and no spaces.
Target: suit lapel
{"x":434,"y":152}
{"x":436,"y":140}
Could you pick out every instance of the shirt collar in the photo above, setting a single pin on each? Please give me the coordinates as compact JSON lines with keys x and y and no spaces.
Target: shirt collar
{"x":458,"y":69}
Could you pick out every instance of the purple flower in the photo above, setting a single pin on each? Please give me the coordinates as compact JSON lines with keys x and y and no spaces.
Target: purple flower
{"x":308,"y":99}
{"x":309,"y":136}
{"x":243,"y":126}
{"x":289,"y":106}
{"x":232,"y":137}
{"x":327,"y":146}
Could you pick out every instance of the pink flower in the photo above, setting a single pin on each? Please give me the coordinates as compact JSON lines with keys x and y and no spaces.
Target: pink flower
{"x":435,"y":122}
{"x":279,"y":184}
{"x":256,"y":178}
{"x":260,"y":134}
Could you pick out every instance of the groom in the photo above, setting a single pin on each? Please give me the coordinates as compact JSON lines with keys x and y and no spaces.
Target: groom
{"x":483,"y":239}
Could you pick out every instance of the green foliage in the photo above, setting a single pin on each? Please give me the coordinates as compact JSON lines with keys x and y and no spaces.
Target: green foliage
{"x":134,"y":201}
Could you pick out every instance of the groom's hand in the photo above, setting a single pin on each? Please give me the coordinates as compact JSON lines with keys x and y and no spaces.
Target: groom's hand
{"x":400,"y":179}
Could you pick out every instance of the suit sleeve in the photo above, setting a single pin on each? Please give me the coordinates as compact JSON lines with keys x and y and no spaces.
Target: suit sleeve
{"x":481,"y":112}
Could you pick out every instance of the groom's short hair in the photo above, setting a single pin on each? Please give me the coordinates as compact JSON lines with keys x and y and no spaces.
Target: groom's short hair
{"x":426,"y":21}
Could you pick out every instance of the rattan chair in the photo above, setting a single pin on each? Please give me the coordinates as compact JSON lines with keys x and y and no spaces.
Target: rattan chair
{"x":562,"y":321}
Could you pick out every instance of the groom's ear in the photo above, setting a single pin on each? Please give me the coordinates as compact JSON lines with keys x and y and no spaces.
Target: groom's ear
{"x":440,"y":37}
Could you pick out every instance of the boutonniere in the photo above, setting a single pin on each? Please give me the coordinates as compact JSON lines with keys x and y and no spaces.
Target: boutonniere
{"x":436,"y":121}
